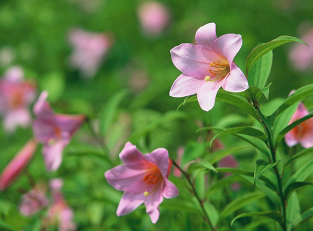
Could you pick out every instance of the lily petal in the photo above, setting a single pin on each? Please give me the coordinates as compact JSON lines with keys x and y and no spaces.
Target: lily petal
{"x":123,"y":178}
{"x":152,"y":203}
{"x":228,"y":46}
{"x":69,"y":123}
{"x":207,"y":94}
{"x":130,"y":155}
{"x":236,"y":81}
{"x":193,"y":60}
{"x":185,"y":85}
{"x":129,"y":202}
{"x":206,"y":35}
{"x":159,"y":157}
{"x":170,"y":190}
{"x":53,"y":154}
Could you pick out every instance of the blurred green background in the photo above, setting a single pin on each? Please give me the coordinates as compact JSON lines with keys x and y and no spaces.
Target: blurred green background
{"x":129,"y":94}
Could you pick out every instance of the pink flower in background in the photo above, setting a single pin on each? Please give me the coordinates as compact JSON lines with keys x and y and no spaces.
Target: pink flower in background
{"x":15,"y":97}
{"x":153,"y":17}
{"x":144,"y":179}
{"x":208,"y":66}
{"x":301,"y":55}
{"x":54,"y":131}
{"x":59,"y":213}
{"x":33,"y":201}
{"x":89,"y":50}
{"x":303,"y":132}
{"x":16,"y":166}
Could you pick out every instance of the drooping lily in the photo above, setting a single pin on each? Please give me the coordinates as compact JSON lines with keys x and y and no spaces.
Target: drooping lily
{"x":143,"y":178}
{"x":16,"y":166}
{"x":59,"y":213}
{"x":34,"y":200}
{"x":303,"y":132}
{"x":208,"y":66}
{"x":15,"y":97}
{"x":54,"y":131}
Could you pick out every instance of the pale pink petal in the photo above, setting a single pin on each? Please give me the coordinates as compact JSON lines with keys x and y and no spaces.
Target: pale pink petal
{"x":14,"y":74}
{"x":193,"y":60}
{"x":307,"y":141}
{"x":170,"y":190}
{"x":129,"y":202}
{"x":206,"y":35}
{"x":52,"y":154}
{"x":207,"y":94}
{"x":33,"y":201}
{"x":290,"y":139}
{"x":184,"y":86}
{"x":44,"y":130}
{"x":69,"y":123}
{"x":152,"y":202}
{"x":20,"y":117}
{"x":159,"y":157}
{"x":123,"y":178}
{"x":19,"y":162}
{"x":228,"y":46}
{"x":236,"y":81}
{"x":130,"y":155}
{"x":41,"y":107}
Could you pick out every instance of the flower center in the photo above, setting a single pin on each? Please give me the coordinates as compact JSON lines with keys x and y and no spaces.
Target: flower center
{"x":16,"y":99}
{"x":153,"y":176}
{"x":301,"y":130}
{"x":217,"y":71}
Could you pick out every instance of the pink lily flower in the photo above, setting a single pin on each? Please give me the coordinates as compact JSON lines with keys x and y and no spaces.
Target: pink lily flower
{"x":59,"y":213}
{"x":15,"y":97}
{"x":301,"y":56}
{"x":54,"y":131}
{"x":208,"y":66}
{"x":33,"y":201}
{"x":89,"y":50}
{"x":144,"y":179}
{"x":16,"y":166}
{"x":303,"y":132}
{"x":153,"y":17}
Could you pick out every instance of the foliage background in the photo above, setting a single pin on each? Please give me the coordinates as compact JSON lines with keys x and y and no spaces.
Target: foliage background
{"x":37,"y":32}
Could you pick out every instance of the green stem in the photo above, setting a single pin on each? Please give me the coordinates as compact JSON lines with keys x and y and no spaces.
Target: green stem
{"x":272,"y":148}
{"x":207,"y":219}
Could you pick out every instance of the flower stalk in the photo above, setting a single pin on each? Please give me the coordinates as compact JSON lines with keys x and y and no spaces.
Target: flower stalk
{"x":207,"y":219}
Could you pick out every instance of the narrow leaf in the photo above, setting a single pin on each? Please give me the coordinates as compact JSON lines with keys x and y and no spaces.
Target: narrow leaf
{"x":301,"y":174}
{"x":241,"y":130}
{"x":294,"y":186}
{"x":270,"y":214}
{"x":260,"y":71}
{"x":296,"y":97}
{"x":220,"y":154}
{"x":298,"y":155}
{"x":240,"y":202}
{"x":262,"y":166}
{"x":304,"y":216}
{"x":109,"y":111}
{"x":201,"y":165}
{"x":291,"y":126}
{"x":264,"y":48}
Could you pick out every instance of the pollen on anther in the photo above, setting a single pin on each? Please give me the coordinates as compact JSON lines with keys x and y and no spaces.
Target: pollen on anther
{"x":207,"y":78}
{"x":146,"y":193}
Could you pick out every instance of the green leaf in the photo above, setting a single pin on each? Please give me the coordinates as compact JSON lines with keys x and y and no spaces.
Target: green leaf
{"x":264,"y":48}
{"x":188,"y":100}
{"x":294,"y":186}
{"x":239,"y":203}
{"x":6,"y":226}
{"x":241,"y":130}
{"x":301,"y":174}
{"x":201,"y":165}
{"x":220,"y":154}
{"x":224,"y":182}
{"x":296,"y":97}
{"x":260,"y":71}
{"x":291,"y":126}
{"x":304,"y":216}
{"x":109,"y":111}
{"x":298,"y":155}
{"x":293,"y":212}
{"x":260,"y":167}
{"x":249,"y":174}
{"x":256,"y":92}
{"x":271,"y":214}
